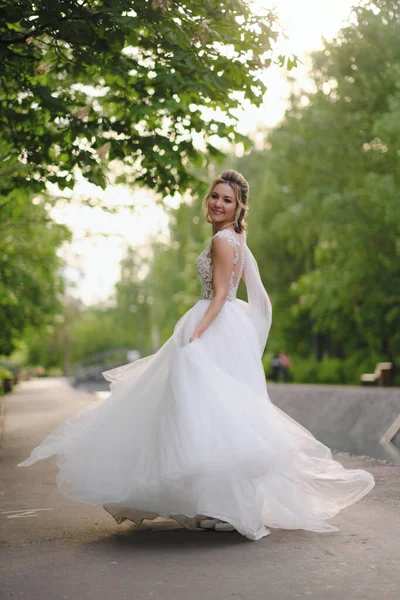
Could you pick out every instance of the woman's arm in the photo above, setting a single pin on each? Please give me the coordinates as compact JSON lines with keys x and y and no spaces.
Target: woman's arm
{"x":222,"y":254}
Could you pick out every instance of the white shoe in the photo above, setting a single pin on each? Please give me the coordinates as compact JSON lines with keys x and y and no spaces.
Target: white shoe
{"x":224,"y":527}
{"x":208,"y":523}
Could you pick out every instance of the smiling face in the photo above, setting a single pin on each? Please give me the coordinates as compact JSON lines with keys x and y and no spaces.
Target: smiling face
{"x":222,"y":204}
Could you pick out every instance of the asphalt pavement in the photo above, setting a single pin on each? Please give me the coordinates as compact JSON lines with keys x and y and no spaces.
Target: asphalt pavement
{"x":53,"y":548}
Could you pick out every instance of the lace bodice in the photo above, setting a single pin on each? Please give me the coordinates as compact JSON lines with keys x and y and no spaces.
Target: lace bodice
{"x":204,"y":265}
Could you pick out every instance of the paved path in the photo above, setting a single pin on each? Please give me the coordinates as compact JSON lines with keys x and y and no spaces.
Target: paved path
{"x":53,"y":548}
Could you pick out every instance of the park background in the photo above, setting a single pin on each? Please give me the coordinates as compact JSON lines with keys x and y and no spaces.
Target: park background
{"x":106,"y":153}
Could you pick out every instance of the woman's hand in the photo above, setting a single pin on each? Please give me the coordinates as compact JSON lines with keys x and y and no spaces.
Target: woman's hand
{"x":194,"y":337}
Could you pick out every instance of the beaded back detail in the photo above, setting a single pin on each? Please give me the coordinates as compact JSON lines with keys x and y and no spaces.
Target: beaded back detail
{"x":204,"y":264}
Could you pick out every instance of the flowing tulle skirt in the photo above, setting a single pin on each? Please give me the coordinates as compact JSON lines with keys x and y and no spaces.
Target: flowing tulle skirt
{"x":191,"y":431}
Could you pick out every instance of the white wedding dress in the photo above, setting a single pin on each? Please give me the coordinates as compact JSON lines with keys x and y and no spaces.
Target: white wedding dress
{"x":190,"y":431}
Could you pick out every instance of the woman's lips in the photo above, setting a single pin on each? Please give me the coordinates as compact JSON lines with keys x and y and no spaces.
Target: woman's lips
{"x":217,"y":212}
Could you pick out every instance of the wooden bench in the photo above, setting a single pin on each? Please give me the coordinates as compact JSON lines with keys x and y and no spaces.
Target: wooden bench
{"x":382,"y":375}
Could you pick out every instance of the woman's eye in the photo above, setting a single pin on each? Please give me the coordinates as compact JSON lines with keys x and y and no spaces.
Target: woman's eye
{"x":214,"y":196}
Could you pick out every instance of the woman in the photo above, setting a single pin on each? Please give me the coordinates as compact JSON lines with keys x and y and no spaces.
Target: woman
{"x":190,"y":432}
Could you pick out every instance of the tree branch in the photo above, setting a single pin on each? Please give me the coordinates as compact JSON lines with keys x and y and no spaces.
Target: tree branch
{"x":37,"y":32}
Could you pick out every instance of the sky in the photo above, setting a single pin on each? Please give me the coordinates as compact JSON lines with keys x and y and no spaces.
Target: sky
{"x":100,"y":239}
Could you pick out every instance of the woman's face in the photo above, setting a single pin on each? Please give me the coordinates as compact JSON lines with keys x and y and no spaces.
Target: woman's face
{"x":222,"y":203}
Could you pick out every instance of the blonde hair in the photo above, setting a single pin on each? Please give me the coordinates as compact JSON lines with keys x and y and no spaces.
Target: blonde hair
{"x":241,"y":188}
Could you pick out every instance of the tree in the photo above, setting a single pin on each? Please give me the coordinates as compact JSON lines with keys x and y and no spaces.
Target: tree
{"x":133,"y":303}
{"x":30,"y":280}
{"x":326,"y":202}
{"x":82,"y":81}
{"x":156,"y":289}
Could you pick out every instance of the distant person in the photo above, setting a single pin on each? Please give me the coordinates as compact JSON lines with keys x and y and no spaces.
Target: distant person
{"x":285,"y":362}
{"x":275,"y":367}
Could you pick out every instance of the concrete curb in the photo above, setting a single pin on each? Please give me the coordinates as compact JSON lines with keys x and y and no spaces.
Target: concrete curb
{"x":349,"y":419}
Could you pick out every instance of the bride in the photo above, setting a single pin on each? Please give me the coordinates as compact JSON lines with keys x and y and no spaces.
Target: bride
{"x":190,"y":432}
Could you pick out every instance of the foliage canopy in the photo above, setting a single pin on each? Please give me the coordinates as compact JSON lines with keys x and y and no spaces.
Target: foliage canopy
{"x":90,"y":80}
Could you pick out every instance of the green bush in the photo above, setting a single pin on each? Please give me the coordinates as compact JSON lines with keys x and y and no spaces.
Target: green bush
{"x":329,"y":370}
{"x":304,"y":371}
{"x":5,"y":374}
{"x":396,"y":381}
{"x":266,"y":360}
{"x":54,"y":372}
